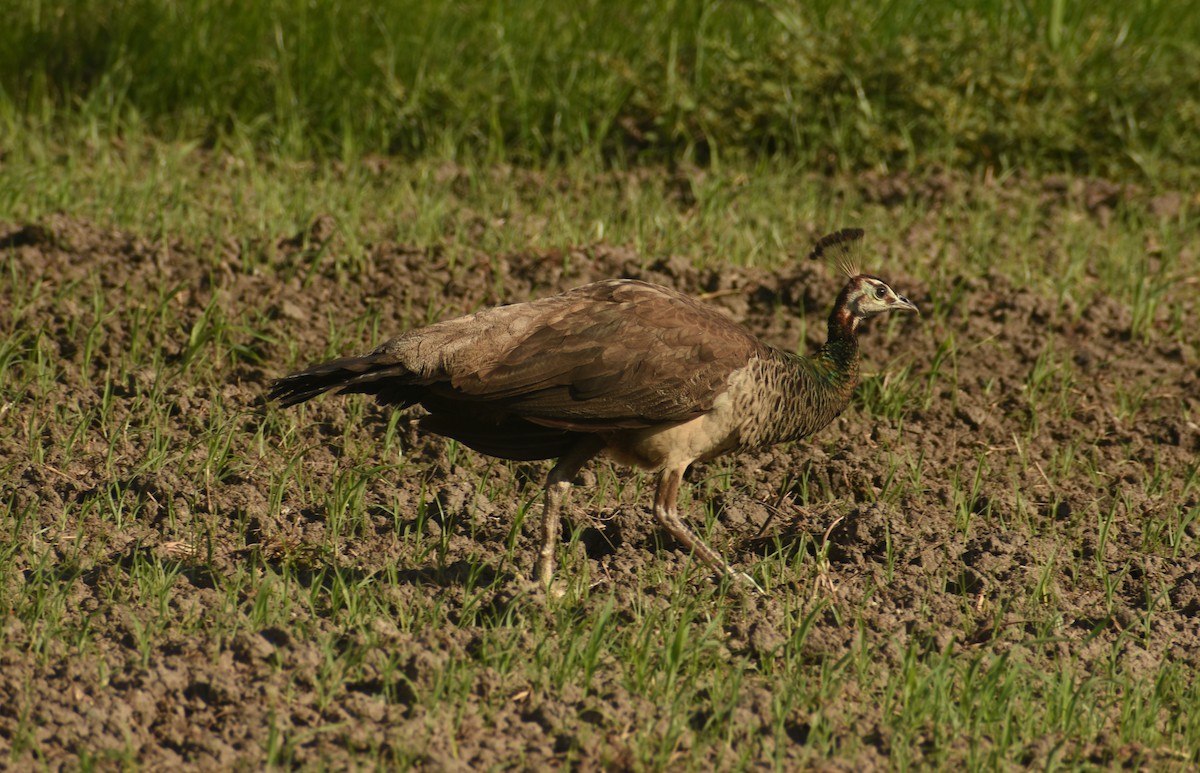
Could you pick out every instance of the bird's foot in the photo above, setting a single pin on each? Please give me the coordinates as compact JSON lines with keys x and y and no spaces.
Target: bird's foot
{"x":544,"y":582}
{"x":555,"y":589}
{"x":745,"y":581}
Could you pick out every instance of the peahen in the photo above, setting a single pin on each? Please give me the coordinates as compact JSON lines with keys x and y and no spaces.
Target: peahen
{"x":641,"y":373}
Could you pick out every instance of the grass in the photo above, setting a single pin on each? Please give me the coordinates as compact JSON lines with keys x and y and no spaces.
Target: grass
{"x":330,"y":557}
{"x":986,"y":562}
{"x":1107,"y":88}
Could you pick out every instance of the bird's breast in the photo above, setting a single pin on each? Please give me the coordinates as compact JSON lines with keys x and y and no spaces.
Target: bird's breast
{"x":715,"y":432}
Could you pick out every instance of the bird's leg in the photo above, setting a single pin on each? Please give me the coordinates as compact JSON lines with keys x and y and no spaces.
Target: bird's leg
{"x":666,"y":510}
{"x":558,"y":483}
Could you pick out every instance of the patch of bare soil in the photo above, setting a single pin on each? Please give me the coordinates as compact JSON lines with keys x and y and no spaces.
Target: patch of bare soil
{"x":220,"y":699}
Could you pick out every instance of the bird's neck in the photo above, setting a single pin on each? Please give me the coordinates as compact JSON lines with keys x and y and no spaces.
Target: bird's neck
{"x":837,"y":358}
{"x":813,"y":390}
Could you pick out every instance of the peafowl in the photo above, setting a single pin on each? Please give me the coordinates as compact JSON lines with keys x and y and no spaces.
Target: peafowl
{"x":643,"y":374}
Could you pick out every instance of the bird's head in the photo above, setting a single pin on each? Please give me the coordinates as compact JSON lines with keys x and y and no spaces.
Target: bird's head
{"x":864,"y":295}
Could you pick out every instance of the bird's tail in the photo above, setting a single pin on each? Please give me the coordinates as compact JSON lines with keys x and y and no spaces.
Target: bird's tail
{"x":374,"y":374}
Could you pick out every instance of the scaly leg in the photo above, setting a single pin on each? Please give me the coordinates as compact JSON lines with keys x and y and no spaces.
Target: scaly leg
{"x":558,"y":483}
{"x":666,"y":510}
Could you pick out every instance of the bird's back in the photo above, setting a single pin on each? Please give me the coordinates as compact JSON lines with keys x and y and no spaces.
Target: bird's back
{"x":525,"y":381}
{"x":612,"y":354}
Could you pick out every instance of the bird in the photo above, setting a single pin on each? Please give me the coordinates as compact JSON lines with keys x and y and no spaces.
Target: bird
{"x":641,"y":373}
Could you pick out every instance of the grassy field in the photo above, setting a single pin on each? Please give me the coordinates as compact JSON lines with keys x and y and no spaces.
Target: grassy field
{"x":989,"y":561}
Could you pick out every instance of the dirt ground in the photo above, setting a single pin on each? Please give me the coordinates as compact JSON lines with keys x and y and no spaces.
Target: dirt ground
{"x":213,"y":702}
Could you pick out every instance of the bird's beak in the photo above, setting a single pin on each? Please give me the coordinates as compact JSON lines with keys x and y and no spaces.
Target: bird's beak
{"x":904,"y":304}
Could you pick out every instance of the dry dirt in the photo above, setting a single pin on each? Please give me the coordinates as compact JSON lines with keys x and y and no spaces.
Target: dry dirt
{"x":211,"y":701}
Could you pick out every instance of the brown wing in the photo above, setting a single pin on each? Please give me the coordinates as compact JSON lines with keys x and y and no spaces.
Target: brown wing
{"x":613,"y":354}
{"x":619,"y":353}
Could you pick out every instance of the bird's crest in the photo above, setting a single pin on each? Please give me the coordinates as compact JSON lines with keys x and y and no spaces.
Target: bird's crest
{"x":841,"y":250}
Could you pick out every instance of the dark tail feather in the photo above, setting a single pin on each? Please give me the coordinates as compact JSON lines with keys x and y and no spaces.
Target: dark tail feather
{"x":389,"y":382}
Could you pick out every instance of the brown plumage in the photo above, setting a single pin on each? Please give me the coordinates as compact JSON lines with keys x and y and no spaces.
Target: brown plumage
{"x":645,"y":374}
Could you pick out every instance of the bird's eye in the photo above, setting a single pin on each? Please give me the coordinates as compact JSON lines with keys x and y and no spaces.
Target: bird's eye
{"x":880,"y":293}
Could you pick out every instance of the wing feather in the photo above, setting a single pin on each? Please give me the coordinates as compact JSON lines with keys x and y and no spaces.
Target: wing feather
{"x":617,"y":353}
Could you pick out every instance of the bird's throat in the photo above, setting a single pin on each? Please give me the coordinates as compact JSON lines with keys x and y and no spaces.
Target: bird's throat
{"x":839,"y":354}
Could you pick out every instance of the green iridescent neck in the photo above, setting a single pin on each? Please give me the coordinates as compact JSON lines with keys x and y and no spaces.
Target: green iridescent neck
{"x":838,"y":356}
